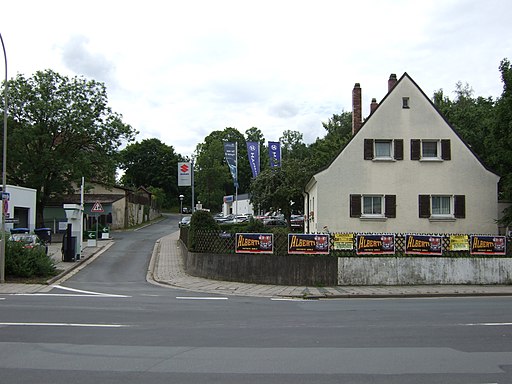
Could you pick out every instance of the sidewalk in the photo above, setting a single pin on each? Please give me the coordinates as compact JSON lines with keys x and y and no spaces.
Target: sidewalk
{"x":67,"y":269}
{"x":167,"y":268}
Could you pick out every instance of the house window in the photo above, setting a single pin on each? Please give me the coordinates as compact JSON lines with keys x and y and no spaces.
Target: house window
{"x":429,"y":149}
{"x":383,"y":149}
{"x":442,"y":206}
{"x":372,"y":206}
{"x":405,"y":102}
{"x":426,"y":150}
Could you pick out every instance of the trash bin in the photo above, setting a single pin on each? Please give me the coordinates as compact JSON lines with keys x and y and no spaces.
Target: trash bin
{"x":44,"y":234}
{"x":68,"y":249}
{"x":19,"y":230}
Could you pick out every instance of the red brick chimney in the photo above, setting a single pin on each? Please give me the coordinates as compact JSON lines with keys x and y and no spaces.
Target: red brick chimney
{"x":373,"y":105}
{"x":391,"y":82}
{"x":356,"y":108}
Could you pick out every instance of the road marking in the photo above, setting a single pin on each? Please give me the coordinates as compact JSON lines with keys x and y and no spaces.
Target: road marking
{"x":288,"y":299}
{"x":79,"y":291}
{"x":200,"y":298}
{"x":488,"y":324}
{"x":65,"y":325}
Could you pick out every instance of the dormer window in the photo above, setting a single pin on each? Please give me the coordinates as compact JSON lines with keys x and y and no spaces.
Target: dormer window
{"x":405,"y":102}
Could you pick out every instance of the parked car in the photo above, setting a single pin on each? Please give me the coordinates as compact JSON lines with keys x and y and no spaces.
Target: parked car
{"x":29,"y":241}
{"x":297,"y":223}
{"x":275,"y":222}
{"x":185,"y":221}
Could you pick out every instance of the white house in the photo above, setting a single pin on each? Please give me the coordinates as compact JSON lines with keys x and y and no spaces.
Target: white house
{"x":405,"y":170}
{"x":19,"y":207}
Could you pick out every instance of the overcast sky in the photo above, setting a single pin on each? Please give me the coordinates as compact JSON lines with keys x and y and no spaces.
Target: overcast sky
{"x":178,"y":70}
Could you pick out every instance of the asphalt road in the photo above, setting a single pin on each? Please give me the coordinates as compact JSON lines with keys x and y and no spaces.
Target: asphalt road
{"x":108,"y":325}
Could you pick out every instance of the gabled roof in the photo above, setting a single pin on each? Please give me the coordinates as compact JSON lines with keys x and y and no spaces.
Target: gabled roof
{"x":405,"y":75}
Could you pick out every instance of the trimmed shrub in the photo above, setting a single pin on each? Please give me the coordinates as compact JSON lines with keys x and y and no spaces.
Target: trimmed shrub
{"x":200,"y":221}
{"x":27,"y":262}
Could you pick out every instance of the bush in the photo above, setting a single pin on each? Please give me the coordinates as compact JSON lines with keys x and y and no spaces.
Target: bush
{"x":200,"y":221}
{"x":27,"y":262}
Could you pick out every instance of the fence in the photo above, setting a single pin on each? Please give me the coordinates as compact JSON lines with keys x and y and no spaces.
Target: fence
{"x":221,"y":242}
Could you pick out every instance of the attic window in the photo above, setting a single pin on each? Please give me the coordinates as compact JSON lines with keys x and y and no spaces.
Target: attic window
{"x":405,"y":102}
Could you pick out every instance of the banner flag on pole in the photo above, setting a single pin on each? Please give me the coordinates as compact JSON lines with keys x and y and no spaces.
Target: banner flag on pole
{"x":253,"y":153}
{"x":231,"y":158}
{"x":274,"y":152}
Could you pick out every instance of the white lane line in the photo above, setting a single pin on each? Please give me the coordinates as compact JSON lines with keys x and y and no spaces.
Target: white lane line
{"x":488,"y":324}
{"x":65,"y":325}
{"x":87,"y":292}
{"x":200,"y":298}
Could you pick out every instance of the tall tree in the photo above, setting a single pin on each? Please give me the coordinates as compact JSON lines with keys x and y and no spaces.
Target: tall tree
{"x":213,"y":179}
{"x":61,"y":130}
{"x":280,"y":189}
{"x":324,"y":150}
{"x":501,"y":139}
{"x":151,"y":163}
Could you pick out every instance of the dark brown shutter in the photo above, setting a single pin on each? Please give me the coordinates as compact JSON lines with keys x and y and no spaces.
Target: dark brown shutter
{"x":399,"y":149}
{"x":390,"y":205}
{"x":424,"y":206}
{"x":460,"y":206}
{"x":415,"y":149}
{"x":355,"y":205}
{"x":368,"y":149}
{"x":446,"y":152}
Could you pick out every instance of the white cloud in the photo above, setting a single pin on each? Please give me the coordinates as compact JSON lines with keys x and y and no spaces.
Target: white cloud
{"x":179,"y":70}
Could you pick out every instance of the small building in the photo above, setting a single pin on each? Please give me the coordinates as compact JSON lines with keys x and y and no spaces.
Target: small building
{"x":121,"y":207}
{"x":20,"y":207}
{"x":240,"y":205}
{"x":405,"y":170}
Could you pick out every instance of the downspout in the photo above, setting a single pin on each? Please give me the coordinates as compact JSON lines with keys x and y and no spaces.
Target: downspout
{"x":306,"y":213}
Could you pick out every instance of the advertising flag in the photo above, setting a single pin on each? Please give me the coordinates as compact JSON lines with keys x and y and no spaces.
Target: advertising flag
{"x":253,"y":153}
{"x":230,"y":153}
{"x":274,"y":152}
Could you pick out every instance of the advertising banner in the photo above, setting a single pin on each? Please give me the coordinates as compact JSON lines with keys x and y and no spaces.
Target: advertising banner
{"x":343,"y":241}
{"x":424,"y":245}
{"x":253,"y":153}
{"x":184,"y":174}
{"x":459,"y":243}
{"x":380,"y":244}
{"x":488,"y":245}
{"x":230,"y":153}
{"x":274,"y":152}
{"x":308,"y":243}
{"x":254,"y":243}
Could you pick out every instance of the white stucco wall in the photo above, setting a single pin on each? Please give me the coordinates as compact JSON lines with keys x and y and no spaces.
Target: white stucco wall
{"x":407,"y":179}
{"x":21,"y":197}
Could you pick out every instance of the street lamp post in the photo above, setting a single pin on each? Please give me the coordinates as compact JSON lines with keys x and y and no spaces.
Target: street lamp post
{"x":4,"y":168}
{"x":181,"y":205}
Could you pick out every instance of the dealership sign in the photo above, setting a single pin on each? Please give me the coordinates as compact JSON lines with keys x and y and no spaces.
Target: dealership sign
{"x":254,"y":243}
{"x":308,"y":243}
{"x":381,"y":244}
{"x":184,"y":175}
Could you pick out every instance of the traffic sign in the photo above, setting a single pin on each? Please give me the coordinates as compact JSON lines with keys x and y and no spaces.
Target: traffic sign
{"x":97,"y":208}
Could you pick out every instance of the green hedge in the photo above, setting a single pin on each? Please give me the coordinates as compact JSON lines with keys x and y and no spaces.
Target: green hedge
{"x":27,"y":262}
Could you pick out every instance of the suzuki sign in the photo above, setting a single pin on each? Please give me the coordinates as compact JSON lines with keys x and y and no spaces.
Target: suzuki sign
{"x":184,"y":175}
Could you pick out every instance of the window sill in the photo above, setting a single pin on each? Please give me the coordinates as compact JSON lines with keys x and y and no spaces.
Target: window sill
{"x":373,"y":218}
{"x":441,"y":218}
{"x":384,"y":159}
{"x":431,"y":160}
